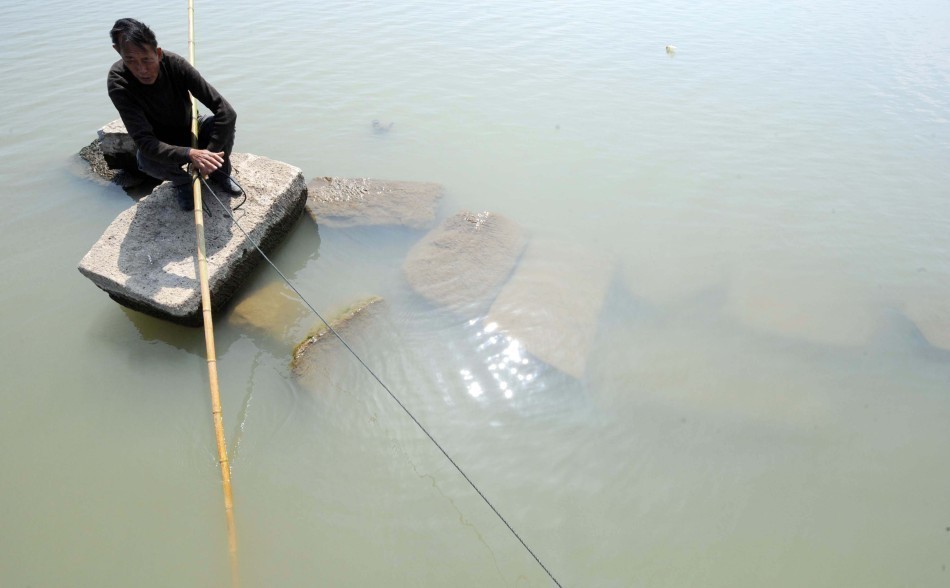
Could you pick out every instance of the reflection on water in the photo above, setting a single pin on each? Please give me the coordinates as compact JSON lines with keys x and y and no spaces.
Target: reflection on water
{"x":762,"y":397}
{"x":507,"y":365}
{"x":505,"y":360}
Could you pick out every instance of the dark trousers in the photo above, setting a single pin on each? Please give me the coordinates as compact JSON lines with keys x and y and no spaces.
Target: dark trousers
{"x":163,"y":169}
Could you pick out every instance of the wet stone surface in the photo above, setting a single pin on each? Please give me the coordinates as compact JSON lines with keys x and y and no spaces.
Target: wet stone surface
{"x":352,"y":202}
{"x":317,"y":348}
{"x":462,"y":263}
{"x":552,"y":304}
{"x":274,"y":311}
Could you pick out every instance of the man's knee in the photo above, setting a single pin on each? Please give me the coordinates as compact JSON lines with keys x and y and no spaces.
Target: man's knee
{"x":206,"y":128}
{"x":161,"y":169}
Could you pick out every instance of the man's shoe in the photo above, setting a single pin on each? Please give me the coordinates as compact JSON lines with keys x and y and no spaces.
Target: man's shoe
{"x":185,"y":196}
{"x":225,"y":183}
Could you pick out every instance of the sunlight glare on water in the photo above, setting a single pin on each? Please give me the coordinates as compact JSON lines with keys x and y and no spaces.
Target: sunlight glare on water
{"x":731,"y":363}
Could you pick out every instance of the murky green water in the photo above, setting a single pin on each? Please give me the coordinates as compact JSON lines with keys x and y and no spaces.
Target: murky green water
{"x":766,"y":398}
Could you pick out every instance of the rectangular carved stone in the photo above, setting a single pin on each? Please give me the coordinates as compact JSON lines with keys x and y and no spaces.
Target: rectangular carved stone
{"x":146,"y":259}
{"x":552,"y":303}
{"x":353,"y":202}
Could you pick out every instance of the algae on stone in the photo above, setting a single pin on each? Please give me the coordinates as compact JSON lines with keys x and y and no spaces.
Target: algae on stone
{"x":341,"y":322}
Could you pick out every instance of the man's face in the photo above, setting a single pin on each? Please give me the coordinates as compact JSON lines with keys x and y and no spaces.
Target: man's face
{"x":141,"y":61}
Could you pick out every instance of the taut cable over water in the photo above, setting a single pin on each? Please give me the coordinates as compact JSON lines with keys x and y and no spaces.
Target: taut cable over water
{"x":208,"y":325}
{"x":392,"y":395}
{"x":197,"y":181}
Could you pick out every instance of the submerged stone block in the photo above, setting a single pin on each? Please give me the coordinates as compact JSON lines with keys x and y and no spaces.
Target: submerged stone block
{"x":308,"y":352}
{"x":552,"y":304}
{"x":930,"y":313}
{"x":813,"y":303}
{"x":464,"y":261}
{"x":146,"y":259}
{"x":274,"y":310}
{"x":673,"y":255}
{"x":346,"y":202}
{"x":663,"y":280}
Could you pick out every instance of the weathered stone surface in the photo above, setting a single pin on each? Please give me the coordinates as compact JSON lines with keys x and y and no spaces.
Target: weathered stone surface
{"x":464,"y":261}
{"x":146,"y":258}
{"x":552,"y":303}
{"x":126,"y":178}
{"x":356,"y":316}
{"x":348,"y":202}
{"x":117,"y":147}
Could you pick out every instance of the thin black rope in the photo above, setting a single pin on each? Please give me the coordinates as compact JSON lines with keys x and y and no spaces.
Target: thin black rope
{"x":381,"y":383}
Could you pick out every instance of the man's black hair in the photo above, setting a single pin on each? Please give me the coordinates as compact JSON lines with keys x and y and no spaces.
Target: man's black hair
{"x":129,"y":30}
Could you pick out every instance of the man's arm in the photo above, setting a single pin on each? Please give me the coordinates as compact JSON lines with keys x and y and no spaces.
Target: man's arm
{"x":142,"y":133}
{"x":140,"y":129}
{"x":224,"y":115}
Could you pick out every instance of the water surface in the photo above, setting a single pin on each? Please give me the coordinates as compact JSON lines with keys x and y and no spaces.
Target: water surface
{"x":761,"y":407}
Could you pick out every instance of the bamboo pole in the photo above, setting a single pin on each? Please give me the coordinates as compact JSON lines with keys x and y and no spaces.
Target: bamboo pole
{"x":209,"y":327}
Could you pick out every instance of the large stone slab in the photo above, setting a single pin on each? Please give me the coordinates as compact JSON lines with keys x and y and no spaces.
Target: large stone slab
{"x":552,"y":304}
{"x":117,"y":146}
{"x":146,"y":261}
{"x":464,"y":261}
{"x":351,"y":202}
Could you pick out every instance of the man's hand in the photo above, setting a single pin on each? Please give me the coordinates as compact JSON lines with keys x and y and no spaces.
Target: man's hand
{"x":206,"y":161}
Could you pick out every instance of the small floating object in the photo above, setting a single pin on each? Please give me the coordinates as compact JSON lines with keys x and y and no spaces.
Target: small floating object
{"x":379,"y":127}
{"x":671,"y":49}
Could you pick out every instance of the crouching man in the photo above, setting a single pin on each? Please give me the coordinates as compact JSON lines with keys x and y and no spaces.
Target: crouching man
{"x":149,"y":87}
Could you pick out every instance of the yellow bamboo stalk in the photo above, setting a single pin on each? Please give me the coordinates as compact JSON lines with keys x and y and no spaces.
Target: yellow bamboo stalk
{"x":209,"y":326}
